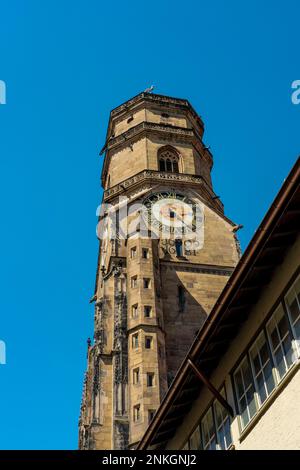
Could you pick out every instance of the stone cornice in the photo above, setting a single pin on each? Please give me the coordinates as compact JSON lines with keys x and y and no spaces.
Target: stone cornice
{"x":161,"y":100}
{"x":199,"y":268}
{"x":184,"y":133}
{"x":160,"y":176}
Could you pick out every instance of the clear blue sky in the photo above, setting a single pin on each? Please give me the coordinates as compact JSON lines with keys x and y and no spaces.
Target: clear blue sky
{"x":66,"y":64}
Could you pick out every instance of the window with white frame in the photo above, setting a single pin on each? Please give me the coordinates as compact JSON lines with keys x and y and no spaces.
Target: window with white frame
{"x":281,"y":342}
{"x":261,"y":362}
{"x":133,"y":282}
{"x":195,"y":439}
{"x":222,"y":422}
{"x":292,"y":301}
{"x":269,"y":358}
{"x":214,"y":431}
{"x":245,"y":392}
{"x":133,"y":252}
{"x":209,"y":441}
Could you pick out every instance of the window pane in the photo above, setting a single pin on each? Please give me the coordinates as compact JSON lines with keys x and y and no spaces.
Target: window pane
{"x":281,"y":341}
{"x":223,"y":421}
{"x":269,"y":379}
{"x":251,"y":401}
{"x":169,"y":165}
{"x":162,"y":165}
{"x":212,"y":444}
{"x":245,"y":392}
{"x":244,"y":411}
{"x":289,"y":354}
{"x":208,"y":429}
{"x":283,"y":327}
{"x":297,"y":328}
{"x":228,"y":438}
{"x":261,"y":362}
{"x":261,"y":387}
{"x":279,"y":359}
{"x":219,"y":415}
{"x":247,"y":376}
{"x":292,"y":301}
{"x":239,"y":383}
{"x":195,"y":439}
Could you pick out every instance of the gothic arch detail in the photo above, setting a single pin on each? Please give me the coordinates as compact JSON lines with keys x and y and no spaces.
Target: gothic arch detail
{"x":169,"y":160}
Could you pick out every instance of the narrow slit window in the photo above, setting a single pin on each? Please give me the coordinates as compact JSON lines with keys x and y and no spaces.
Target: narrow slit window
{"x":148,"y":342}
{"x":136,"y":413}
{"x":136,"y":376}
{"x":134,"y":311}
{"x":134,"y":282}
{"x":135,"y":341}
{"x":150,"y":379}
{"x":151,"y":414}
{"x":147,"y":311}
{"x":181,"y":298}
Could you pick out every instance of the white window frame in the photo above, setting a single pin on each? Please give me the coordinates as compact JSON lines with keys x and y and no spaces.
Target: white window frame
{"x":261,"y":370}
{"x":213,"y":436}
{"x":280,"y":344}
{"x":245,"y":390}
{"x":225,"y":416}
{"x":295,"y":339}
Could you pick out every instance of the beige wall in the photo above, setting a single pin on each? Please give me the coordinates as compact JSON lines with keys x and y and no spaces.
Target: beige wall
{"x":277,"y":424}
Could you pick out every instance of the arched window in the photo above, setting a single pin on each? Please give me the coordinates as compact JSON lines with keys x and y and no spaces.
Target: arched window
{"x":169,"y":161}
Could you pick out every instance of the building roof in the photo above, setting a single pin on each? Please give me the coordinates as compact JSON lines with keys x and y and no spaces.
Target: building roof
{"x":276,"y":233}
{"x":161,"y":100}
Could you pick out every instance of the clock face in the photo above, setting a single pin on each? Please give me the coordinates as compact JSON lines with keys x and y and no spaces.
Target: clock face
{"x":172,"y":212}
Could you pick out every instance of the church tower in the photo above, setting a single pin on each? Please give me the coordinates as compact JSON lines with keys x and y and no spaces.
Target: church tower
{"x":166,"y":252}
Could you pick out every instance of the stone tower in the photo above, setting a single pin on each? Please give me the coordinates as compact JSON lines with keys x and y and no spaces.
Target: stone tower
{"x":155,"y":286}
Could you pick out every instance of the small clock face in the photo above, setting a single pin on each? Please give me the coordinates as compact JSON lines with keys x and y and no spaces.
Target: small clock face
{"x":171,"y":212}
